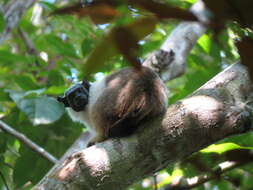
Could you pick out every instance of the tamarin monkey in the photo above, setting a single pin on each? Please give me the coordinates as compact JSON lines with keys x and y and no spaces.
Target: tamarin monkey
{"x":117,"y":104}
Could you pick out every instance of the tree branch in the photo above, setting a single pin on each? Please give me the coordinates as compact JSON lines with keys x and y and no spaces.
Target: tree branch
{"x":22,"y":138}
{"x":235,"y":158}
{"x":189,"y":183}
{"x":215,"y":111}
{"x":169,"y":60}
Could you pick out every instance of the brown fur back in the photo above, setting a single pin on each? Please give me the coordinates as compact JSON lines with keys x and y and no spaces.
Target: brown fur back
{"x":131,"y":97}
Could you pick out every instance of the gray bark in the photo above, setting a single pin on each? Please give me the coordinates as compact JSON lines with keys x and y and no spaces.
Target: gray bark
{"x":169,"y":60}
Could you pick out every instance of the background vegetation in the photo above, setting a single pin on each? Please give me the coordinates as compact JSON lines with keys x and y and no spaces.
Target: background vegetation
{"x":45,"y":55}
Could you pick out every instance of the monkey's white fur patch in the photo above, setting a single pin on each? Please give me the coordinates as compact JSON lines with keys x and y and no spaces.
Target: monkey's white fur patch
{"x":96,"y":89}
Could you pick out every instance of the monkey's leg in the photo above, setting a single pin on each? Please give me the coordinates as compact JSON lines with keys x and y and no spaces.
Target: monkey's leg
{"x":101,"y":134}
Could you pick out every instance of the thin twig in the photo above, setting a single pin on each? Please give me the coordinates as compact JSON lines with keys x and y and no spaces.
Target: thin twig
{"x":155,"y":181}
{"x":32,"y":50}
{"x":28,"y":42}
{"x":22,"y":138}
{"x":4,"y":181}
{"x":189,"y":183}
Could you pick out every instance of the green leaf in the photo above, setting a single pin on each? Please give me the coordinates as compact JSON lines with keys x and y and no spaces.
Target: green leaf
{"x":47,"y":5}
{"x":5,"y":173}
{"x":26,"y":82}
{"x":37,"y":165}
{"x":55,"y":90}
{"x":8,"y":57}
{"x":18,"y":96}
{"x":3,"y":143}
{"x":55,"y":78}
{"x":2,"y":22}
{"x":61,"y":47}
{"x":221,"y":148}
{"x":39,"y":109}
{"x":42,"y":110}
{"x":4,"y":95}
{"x":87,"y":45}
{"x":205,"y":42}
{"x":15,"y":96}
{"x":53,"y":138}
{"x":190,"y":1}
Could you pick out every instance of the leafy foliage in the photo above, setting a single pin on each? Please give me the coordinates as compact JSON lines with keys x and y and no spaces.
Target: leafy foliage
{"x":36,"y":69}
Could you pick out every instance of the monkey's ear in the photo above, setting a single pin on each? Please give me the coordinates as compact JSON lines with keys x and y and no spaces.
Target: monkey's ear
{"x":63,"y":99}
{"x":86,"y":84}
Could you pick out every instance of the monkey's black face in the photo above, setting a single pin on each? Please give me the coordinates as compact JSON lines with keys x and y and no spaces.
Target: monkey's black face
{"x":76,"y":97}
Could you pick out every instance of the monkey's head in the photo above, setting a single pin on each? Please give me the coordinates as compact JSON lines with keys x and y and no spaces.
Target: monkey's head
{"x":76,"y":97}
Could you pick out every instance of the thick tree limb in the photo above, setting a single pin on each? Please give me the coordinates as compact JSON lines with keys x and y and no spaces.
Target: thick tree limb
{"x":215,"y":111}
{"x":13,"y":12}
{"x":30,"y":144}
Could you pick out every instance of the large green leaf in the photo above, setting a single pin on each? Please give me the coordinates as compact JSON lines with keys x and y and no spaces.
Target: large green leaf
{"x":39,"y":109}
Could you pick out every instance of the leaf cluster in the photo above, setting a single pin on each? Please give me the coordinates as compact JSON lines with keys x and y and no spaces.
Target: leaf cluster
{"x":46,"y":54}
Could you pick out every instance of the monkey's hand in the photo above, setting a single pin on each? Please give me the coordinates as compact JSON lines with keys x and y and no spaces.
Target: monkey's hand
{"x":76,"y":97}
{"x":98,"y":138}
